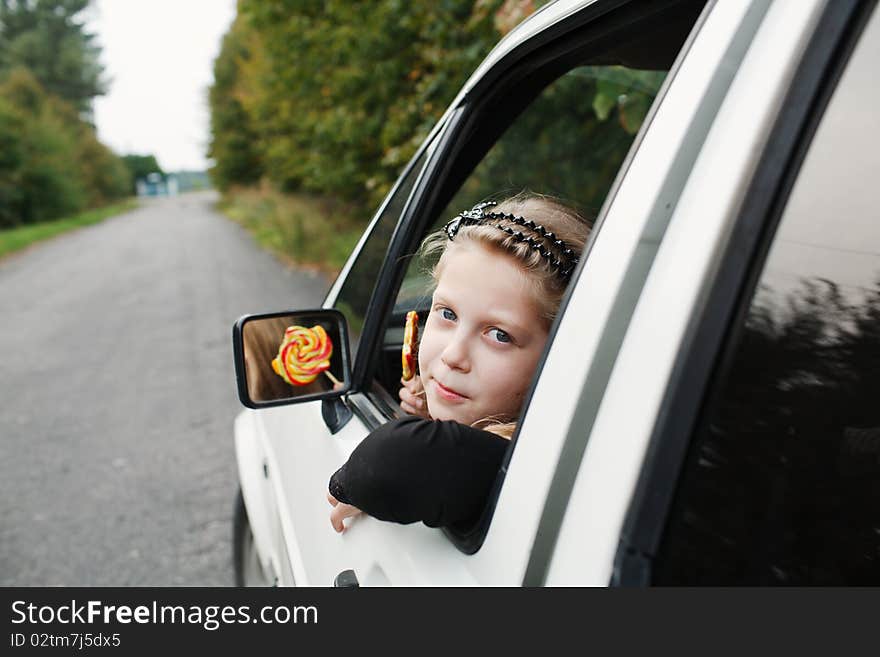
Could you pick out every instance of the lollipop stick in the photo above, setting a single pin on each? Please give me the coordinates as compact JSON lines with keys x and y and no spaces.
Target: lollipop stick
{"x":332,"y":378}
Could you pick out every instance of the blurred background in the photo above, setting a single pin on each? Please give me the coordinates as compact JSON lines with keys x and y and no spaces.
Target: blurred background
{"x":192,"y":162}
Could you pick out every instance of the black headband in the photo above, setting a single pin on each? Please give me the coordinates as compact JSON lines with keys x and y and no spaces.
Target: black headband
{"x":563,"y":262}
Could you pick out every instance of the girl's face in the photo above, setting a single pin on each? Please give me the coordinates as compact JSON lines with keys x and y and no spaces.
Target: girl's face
{"x":482,"y":339}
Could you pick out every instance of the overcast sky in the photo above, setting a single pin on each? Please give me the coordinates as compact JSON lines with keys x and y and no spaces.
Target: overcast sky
{"x":158,"y":56}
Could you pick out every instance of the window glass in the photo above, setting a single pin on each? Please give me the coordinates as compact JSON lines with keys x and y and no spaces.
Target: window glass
{"x":354,"y":295}
{"x":569,"y":142}
{"x":782,"y":481}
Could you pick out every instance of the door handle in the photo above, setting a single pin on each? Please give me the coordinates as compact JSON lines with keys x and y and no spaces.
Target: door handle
{"x":346,"y":580}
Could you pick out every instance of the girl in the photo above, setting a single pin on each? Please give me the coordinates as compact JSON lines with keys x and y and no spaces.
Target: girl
{"x":501,"y":275}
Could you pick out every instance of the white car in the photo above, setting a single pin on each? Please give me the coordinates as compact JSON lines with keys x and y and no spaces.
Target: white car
{"x":706,"y":409}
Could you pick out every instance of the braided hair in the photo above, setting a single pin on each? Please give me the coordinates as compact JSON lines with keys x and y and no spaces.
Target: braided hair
{"x":543,"y":235}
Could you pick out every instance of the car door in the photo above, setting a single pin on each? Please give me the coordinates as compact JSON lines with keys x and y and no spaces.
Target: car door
{"x":734,"y":441}
{"x":585,"y":103}
{"x":780,"y":483}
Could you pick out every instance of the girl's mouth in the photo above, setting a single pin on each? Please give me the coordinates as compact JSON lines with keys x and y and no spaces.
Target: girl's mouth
{"x":447,"y":394}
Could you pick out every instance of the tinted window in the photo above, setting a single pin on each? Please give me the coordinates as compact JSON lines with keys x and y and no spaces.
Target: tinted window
{"x":782,"y":481}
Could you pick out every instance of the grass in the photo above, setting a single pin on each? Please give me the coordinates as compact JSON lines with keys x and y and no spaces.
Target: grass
{"x":15,"y":239}
{"x":300,"y":230}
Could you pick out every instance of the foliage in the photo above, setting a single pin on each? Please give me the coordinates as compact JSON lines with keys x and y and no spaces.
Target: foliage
{"x":629,"y":91}
{"x":334,"y":97}
{"x":139,"y":166}
{"x":51,"y":163}
{"x":44,"y":170}
{"x":307,"y":230}
{"x":45,"y":37}
{"x":103,"y":173}
{"x":11,"y":157}
{"x":234,"y":137}
{"x":544,"y":148}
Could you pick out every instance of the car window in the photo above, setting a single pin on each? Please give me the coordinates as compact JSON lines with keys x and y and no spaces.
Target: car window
{"x":354,"y":296}
{"x":782,"y":479}
{"x":569,"y":142}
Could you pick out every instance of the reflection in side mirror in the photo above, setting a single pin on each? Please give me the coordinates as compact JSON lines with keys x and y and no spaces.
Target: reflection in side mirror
{"x":290,"y":357}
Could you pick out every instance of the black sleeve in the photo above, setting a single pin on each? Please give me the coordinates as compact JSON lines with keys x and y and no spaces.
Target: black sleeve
{"x":439,"y":472}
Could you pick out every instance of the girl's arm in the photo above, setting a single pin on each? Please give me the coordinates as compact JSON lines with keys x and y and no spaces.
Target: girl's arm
{"x":411,"y":470}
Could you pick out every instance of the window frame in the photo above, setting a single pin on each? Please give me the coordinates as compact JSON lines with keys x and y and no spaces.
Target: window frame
{"x":552,"y":52}
{"x":715,"y":325}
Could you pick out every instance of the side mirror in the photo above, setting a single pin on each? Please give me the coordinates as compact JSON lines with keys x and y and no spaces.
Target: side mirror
{"x":290,"y":357}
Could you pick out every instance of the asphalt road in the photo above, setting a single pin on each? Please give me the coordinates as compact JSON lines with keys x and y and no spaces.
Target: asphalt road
{"x":116,"y":380}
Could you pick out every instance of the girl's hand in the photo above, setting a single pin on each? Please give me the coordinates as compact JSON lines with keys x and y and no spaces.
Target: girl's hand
{"x":340,"y":512}
{"x":412,"y":397}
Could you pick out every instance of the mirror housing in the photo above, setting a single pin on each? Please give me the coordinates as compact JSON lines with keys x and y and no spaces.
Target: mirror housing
{"x":290,"y":357}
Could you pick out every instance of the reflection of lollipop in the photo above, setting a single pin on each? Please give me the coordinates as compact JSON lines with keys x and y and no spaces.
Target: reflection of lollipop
{"x":409,"y":353}
{"x":303,"y":354}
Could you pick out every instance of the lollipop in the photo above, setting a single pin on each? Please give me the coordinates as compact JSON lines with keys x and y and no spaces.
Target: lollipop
{"x":303,"y":354}
{"x":410,"y":351}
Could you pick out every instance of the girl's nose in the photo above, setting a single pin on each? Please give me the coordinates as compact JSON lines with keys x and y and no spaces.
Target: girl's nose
{"x":455,"y":355}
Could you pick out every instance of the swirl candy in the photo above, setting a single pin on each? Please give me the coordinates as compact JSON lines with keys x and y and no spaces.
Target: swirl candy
{"x":303,"y":354}
{"x":409,"y":353}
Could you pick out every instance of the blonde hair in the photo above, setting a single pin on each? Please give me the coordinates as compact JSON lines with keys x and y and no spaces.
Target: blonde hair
{"x":548,"y":287}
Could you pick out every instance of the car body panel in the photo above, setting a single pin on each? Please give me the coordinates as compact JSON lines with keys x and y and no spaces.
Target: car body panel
{"x":699,"y":227}
{"x":259,"y":499}
{"x":583,"y":439}
{"x":564,"y":379}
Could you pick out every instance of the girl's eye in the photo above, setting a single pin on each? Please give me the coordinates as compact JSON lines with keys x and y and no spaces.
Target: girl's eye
{"x":499,"y":335}
{"x":447,"y":314}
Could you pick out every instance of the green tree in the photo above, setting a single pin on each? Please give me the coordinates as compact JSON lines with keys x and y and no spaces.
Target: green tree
{"x":346,"y":92}
{"x":47,"y":38}
{"x":553,"y":130}
{"x":334,"y":97}
{"x":234,"y":139}
{"x":11,"y":158}
{"x":51,"y":163}
{"x":43,"y":169}
{"x":139,"y":166}
{"x":105,"y":175}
